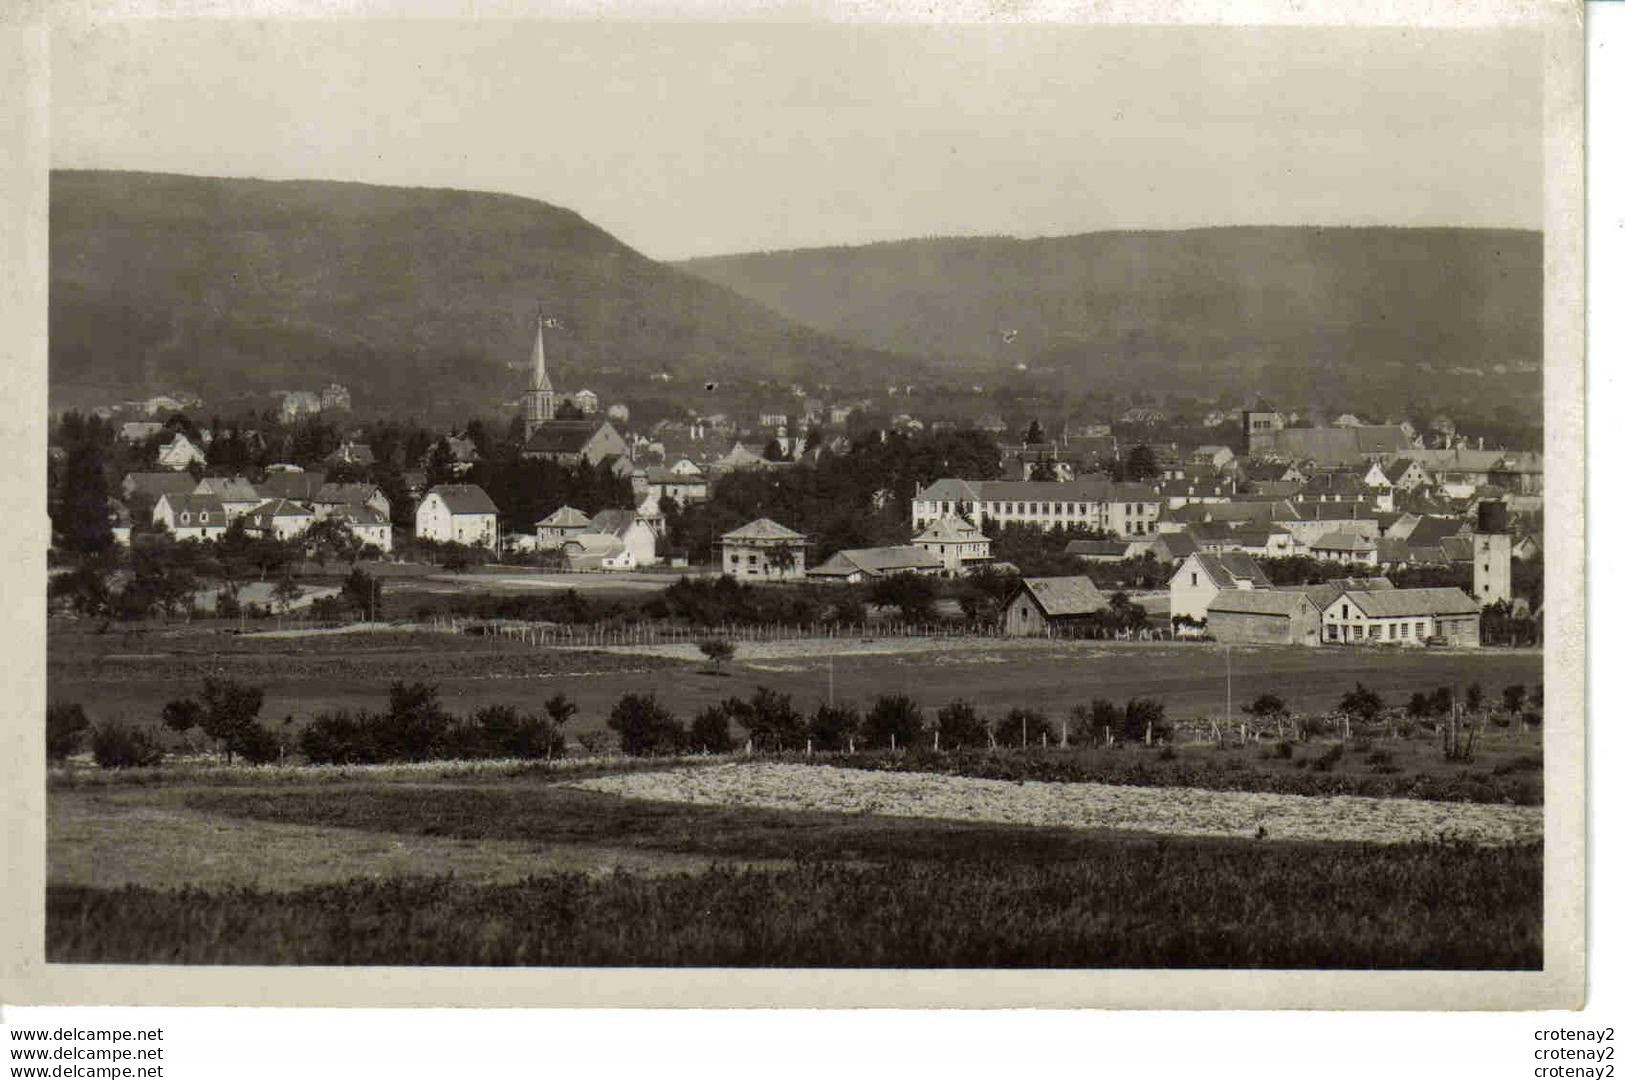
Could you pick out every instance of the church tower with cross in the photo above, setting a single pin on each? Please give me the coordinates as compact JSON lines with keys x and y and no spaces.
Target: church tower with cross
{"x":540,"y":401}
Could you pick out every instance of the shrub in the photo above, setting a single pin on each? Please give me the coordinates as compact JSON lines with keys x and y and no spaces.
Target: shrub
{"x":182,"y":715}
{"x":712,"y":731}
{"x":893,"y":717}
{"x":501,"y":731}
{"x":1023,"y":727}
{"x":1267,"y":707}
{"x":559,"y":709}
{"x":257,"y":744}
{"x":1102,"y":718}
{"x":959,"y":726}
{"x":770,"y":718}
{"x":1283,"y":749}
{"x":833,"y":727}
{"x":717,"y":650}
{"x":414,"y":724}
{"x":1362,"y":703}
{"x":340,"y":738}
{"x":122,"y":746}
{"x":64,"y":726}
{"x":1143,"y":718}
{"x":1168,"y":753}
{"x":645,"y":727}
{"x":226,"y":712}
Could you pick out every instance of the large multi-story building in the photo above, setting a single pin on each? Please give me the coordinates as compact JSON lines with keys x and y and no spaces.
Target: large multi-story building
{"x":1090,"y":503}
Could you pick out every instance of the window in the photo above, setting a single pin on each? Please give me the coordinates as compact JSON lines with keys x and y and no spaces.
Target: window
{"x":1421,"y":629}
{"x":1404,"y":629}
{"x":1193,"y":580}
{"x":1345,"y":611}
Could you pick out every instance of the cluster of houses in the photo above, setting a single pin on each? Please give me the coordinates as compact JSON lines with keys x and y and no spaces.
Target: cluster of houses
{"x":1235,"y":603}
{"x":1356,"y":494}
{"x":281,"y":507}
{"x":1230,"y":597}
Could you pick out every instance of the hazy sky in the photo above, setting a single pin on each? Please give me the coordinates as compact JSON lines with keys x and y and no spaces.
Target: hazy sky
{"x":691,"y":139}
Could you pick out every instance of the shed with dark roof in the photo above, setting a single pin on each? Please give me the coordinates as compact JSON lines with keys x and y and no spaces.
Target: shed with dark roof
{"x":1044,"y":605}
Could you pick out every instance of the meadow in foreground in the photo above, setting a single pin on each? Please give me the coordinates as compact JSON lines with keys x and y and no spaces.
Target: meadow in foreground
{"x":792,"y":888}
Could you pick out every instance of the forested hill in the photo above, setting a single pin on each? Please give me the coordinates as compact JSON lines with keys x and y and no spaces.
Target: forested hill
{"x":1286,"y":310}
{"x":413,"y":298}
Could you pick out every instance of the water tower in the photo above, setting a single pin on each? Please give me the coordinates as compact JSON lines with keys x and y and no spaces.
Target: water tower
{"x":1492,"y":555}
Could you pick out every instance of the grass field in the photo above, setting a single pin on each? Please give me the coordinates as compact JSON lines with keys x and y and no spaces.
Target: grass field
{"x":508,"y":863}
{"x":131,"y":674}
{"x":524,"y":869}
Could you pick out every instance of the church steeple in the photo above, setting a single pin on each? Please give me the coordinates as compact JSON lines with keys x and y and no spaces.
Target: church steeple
{"x":540,"y":400}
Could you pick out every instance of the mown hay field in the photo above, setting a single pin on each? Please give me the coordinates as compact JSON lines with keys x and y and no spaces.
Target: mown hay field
{"x":1158,"y":811}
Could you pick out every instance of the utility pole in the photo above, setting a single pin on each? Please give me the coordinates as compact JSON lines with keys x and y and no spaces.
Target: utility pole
{"x":1227,"y":684}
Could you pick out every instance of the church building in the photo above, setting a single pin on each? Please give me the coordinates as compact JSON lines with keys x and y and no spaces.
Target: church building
{"x":564,"y":441}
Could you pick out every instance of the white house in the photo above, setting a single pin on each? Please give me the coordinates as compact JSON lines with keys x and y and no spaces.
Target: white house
{"x":367,"y":524}
{"x":278,"y":519}
{"x":682,"y":487}
{"x":457,"y":514}
{"x":191,"y":517}
{"x":180,"y":453}
{"x":1213,"y":454}
{"x":139,"y":430}
{"x":635,"y":534}
{"x":1344,"y":547}
{"x":1396,"y":474}
{"x":236,"y":494}
{"x":562,"y":524}
{"x":685,"y":467}
{"x":597,"y":551}
{"x":1204,"y":575}
{"x":958,"y":543}
{"x":1402,"y":617}
{"x":333,"y":497}
{"x":764,"y":549}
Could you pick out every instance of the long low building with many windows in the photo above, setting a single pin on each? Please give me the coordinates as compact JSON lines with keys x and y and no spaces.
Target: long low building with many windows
{"x":1402,"y":617}
{"x":1091,"y":503}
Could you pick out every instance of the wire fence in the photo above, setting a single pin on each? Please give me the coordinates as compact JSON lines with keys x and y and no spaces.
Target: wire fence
{"x":652,"y":633}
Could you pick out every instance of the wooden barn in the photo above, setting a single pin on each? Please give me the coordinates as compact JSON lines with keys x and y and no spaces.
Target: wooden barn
{"x":1047,"y":605}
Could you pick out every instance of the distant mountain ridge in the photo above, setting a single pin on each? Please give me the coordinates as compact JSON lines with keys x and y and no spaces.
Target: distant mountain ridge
{"x":419,"y":300}
{"x":1352,"y":310}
